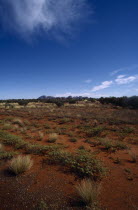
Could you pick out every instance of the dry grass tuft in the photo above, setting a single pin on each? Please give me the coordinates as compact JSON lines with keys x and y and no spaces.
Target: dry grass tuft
{"x":133,"y":156}
{"x":18,"y":121}
{"x":20,"y":164}
{"x":40,"y":136}
{"x":52,"y":137}
{"x":1,"y":147}
{"x":88,"y":192}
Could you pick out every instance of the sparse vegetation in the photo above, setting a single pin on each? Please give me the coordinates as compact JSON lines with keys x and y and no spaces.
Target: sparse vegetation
{"x":97,"y":134}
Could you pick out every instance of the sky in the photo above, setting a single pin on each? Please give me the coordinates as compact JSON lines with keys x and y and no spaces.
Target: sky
{"x":71,"y":47}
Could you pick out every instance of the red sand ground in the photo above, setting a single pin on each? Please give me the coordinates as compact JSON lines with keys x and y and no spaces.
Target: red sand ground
{"x":119,"y":189}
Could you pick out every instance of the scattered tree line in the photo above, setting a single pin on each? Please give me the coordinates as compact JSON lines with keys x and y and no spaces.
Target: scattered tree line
{"x":126,"y":102}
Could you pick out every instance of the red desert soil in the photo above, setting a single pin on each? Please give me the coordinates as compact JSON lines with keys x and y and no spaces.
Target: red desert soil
{"x":54,"y":185}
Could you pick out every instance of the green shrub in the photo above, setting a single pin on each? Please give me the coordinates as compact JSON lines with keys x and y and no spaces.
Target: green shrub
{"x":73,"y":140}
{"x":13,"y":140}
{"x":42,"y":205}
{"x":41,"y":149}
{"x":120,"y":145}
{"x":96,"y":131}
{"x":106,"y":143}
{"x":64,"y":120}
{"x":47,"y":126}
{"x":113,"y":146}
{"x":82,"y":163}
{"x":7,"y":155}
{"x":81,"y":147}
{"x":127,"y":130}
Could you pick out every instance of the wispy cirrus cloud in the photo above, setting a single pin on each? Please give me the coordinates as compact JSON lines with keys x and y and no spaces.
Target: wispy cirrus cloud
{"x":122,"y":79}
{"x":104,"y":85}
{"x":29,"y":17}
{"x":88,"y":81}
{"x":124,"y":69}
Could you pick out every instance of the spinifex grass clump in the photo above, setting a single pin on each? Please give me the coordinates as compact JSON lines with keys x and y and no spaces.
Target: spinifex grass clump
{"x":18,"y":121}
{"x":88,"y":192}
{"x":40,"y":136}
{"x":52,"y":137}
{"x":133,"y":156}
{"x":82,"y":163}
{"x":20,"y":164}
{"x":1,"y":147}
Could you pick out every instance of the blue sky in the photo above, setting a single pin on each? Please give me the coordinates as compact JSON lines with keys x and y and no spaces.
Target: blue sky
{"x":72,"y":47}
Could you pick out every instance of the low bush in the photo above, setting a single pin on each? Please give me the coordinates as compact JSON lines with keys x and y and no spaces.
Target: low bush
{"x":41,"y":149}
{"x":127,"y":130}
{"x":73,"y":140}
{"x":96,"y":131}
{"x":82,"y":163}
{"x":7,"y":155}
{"x":42,"y":205}
{"x":81,"y":147}
{"x":19,"y":143}
{"x":47,"y":126}
{"x":10,"y":139}
{"x":112,"y":146}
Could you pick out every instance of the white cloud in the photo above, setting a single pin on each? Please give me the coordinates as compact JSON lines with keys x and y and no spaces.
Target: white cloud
{"x":121,"y":79}
{"x":87,"y":94}
{"x":32,"y":16}
{"x":88,"y":81}
{"x":120,"y":76}
{"x":104,"y":85}
{"x":73,"y":94}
